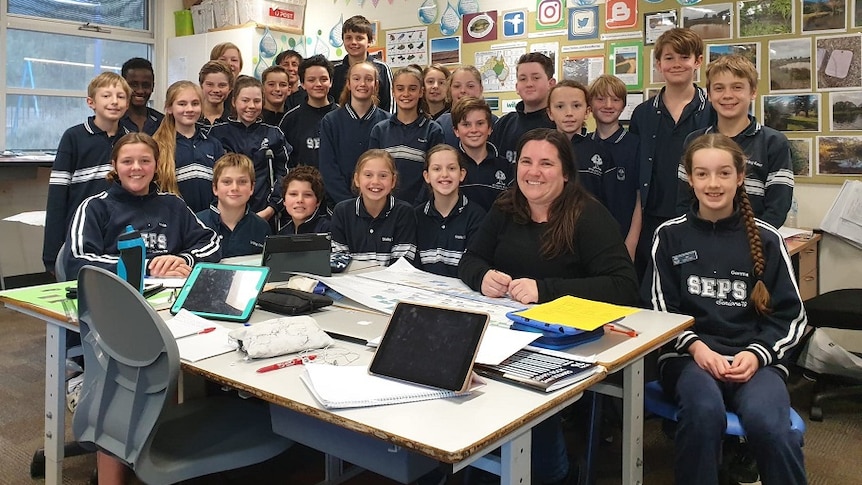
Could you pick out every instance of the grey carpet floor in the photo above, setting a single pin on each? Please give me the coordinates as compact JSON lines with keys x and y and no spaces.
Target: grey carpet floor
{"x":833,"y":448}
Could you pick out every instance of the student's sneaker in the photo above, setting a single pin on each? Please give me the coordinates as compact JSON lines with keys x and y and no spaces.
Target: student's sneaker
{"x":741,"y":465}
{"x":73,"y":390}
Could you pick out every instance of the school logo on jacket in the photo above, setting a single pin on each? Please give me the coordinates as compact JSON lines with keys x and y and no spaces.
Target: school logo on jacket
{"x":621,"y":174}
{"x":264,"y":144}
{"x":725,"y":291}
{"x":501,"y":182}
{"x":155,"y":241}
{"x":312,"y":142}
{"x":596,"y":169}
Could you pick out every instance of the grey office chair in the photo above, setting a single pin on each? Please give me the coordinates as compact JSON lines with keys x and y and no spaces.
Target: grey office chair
{"x":126,"y":404}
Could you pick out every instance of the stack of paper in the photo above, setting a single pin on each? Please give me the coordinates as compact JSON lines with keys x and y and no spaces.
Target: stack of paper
{"x":194,"y":339}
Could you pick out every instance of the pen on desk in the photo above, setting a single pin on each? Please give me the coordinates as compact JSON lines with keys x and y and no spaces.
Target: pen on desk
{"x":286,"y":363}
{"x":207,"y":330}
{"x":616,"y":327}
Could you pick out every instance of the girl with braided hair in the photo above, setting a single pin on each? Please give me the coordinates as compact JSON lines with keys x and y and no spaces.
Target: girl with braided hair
{"x":733,"y":274}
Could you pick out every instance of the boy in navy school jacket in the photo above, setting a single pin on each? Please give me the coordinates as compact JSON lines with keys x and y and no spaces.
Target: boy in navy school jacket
{"x":357,"y":33}
{"x":83,"y":159}
{"x":303,"y":196}
{"x":301,"y":124}
{"x":732,"y":85}
{"x":138,"y":72}
{"x":240,"y":230}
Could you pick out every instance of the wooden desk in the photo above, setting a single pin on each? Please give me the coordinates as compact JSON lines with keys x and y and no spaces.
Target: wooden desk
{"x":806,"y":264}
{"x":459,"y":432}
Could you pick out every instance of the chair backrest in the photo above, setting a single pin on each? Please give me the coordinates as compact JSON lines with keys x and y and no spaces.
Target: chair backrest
{"x":132,"y":365}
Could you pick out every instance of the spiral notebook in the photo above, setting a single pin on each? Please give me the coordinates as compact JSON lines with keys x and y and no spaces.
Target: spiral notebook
{"x":352,"y":387}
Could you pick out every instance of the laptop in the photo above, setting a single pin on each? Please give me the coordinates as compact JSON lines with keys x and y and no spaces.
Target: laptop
{"x":297,"y":253}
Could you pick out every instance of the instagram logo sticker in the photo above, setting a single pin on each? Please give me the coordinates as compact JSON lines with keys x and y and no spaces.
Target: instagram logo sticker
{"x":549,"y":13}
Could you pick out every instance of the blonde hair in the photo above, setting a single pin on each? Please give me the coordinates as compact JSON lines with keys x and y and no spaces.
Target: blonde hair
{"x":166,"y":137}
{"x":760,"y":294}
{"x":108,"y":80}
{"x":735,"y":64}
{"x":219,"y":50}
{"x":608,"y":84}
{"x":231,"y":160}
{"x":370,"y":155}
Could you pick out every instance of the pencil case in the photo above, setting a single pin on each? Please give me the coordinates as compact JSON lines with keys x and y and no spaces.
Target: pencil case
{"x":286,"y":335}
{"x":287,"y":301}
{"x":558,"y":341}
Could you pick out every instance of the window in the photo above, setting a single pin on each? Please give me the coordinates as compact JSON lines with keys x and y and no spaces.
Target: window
{"x":53,"y":48}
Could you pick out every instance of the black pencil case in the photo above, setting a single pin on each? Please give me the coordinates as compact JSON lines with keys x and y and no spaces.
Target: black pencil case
{"x":287,"y":301}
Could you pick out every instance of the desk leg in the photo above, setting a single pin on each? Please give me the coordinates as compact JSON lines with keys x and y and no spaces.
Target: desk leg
{"x":55,"y":397}
{"x":633,"y":424}
{"x":515,"y":460}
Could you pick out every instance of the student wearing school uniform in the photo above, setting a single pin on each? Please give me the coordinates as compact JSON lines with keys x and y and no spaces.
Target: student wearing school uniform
{"x":435,"y":79}
{"x":407,"y":135}
{"x":301,"y":124}
{"x":732,"y":85}
{"x":187,"y":153}
{"x":303,"y":197}
{"x":357,"y":33}
{"x":568,"y":108}
{"x":662,"y":124}
{"x":488,"y":174}
{"x":535,"y":73}
{"x":263,"y":143}
{"x":448,"y":220}
{"x":83,"y":159}
{"x":733,"y":274}
{"x":464,"y":81}
{"x":617,"y":149}
{"x":216,"y":82}
{"x":345,"y":132}
{"x":138,"y":73}
{"x":240,"y":230}
{"x":374,"y":227}
{"x":276,"y":89}
{"x":175,"y":239}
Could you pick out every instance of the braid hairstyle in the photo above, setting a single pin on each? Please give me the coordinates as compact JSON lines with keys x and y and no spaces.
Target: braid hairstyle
{"x":759,"y":296}
{"x":166,"y":137}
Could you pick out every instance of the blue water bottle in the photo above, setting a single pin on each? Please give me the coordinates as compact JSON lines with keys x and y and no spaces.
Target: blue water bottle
{"x":133,"y":254}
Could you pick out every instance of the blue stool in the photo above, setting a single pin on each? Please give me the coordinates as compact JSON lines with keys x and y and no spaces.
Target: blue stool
{"x":657,"y":403}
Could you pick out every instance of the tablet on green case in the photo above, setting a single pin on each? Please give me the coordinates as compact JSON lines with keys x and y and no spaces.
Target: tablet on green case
{"x":221,"y":291}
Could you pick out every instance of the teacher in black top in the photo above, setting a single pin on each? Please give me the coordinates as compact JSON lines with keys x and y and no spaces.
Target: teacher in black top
{"x":544,"y":238}
{"x":547,"y":237}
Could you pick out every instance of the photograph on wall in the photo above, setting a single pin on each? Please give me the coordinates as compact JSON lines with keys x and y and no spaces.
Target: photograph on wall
{"x":765,"y":17}
{"x":709,"y":21}
{"x":552,"y":50}
{"x":584,"y":23}
{"x":497,"y":67}
{"x":790,"y":65}
{"x":749,"y":50}
{"x":845,"y":111}
{"x":801,"y":156}
{"x":824,"y":15}
{"x":791,"y":112}
{"x":407,"y":46}
{"x":652,"y":92}
{"x":378,"y":53}
{"x":479,"y":27}
{"x":658,"y":23}
{"x":632,"y":102}
{"x":839,"y":62}
{"x":625,"y":62}
{"x":839,"y":155}
{"x":446,"y":50}
{"x":583,"y":69}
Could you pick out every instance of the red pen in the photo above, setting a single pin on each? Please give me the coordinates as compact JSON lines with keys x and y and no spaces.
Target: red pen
{"x":615,"y":327}
{"x":286,"y":363}
{"x":207,"y":330}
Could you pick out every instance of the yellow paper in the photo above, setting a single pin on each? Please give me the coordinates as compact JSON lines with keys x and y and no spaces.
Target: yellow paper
{"x":576,"y":312}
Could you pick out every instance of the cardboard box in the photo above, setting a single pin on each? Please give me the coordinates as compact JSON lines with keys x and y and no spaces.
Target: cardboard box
{"x":202,"y":17}
{"x":188,"y":4}
{"x":225,"y":13}
{"x":285,"y":13}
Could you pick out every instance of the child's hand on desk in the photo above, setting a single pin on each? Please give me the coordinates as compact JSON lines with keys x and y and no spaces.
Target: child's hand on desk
{"x":743,"y":367}
{"x":524,"y":290}
{"x":169,"y":265}
{"x":709,"y":360}
{"x":495,"y":284}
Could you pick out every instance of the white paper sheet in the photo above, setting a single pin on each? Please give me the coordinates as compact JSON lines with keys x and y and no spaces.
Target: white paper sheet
{"x":32,"y":218}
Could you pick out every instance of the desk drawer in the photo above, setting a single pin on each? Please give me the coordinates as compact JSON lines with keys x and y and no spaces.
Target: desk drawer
{"x":808,"y":287}
{"x":378,"y":456}
{"x":808,"y":260}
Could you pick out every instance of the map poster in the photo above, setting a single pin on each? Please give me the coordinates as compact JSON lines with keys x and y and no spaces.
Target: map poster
{"x":498,"y":68}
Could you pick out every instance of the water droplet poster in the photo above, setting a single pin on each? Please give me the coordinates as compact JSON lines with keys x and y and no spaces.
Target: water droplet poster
{"x":407,"y":46}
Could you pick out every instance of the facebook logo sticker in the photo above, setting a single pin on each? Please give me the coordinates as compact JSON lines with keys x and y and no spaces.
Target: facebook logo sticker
{"x":514,"y":23}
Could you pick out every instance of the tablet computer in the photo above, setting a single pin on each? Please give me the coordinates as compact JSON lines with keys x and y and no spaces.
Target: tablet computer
{"x":431,"y":346}
{"x":297,"y":253}
{"x":221,"y":291}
